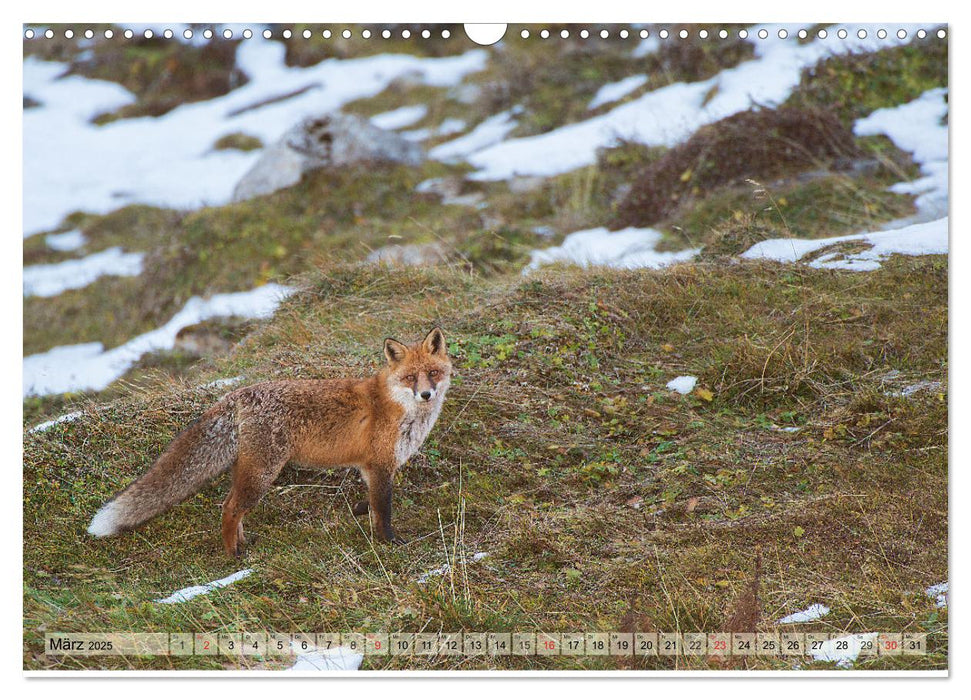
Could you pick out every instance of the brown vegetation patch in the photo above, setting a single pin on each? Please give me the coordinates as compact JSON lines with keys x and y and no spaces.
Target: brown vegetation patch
{"x":759,"y":143}
{"x":162,"y":73}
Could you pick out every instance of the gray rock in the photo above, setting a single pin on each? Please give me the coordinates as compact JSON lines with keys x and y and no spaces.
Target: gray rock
{"x":449,"y":189}
{"x":466,"y":93}
{"x":411,"y":254}
{"x":323,"y":142}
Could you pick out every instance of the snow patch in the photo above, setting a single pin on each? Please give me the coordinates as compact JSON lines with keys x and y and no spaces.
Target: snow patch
{"x":628,"y":249}
{"x":917,"y":239}
{"x":918,"y":127}
{"x":336,"y":659}
{"x":400,"y":118}
{"x":647,"y":46}
{"x":669,"y":115}
{"x":611,"y":92}
{"x":442,"y":570}
{"x":72,"y":165}
{"x":488,"y":132}
{"x":683,"y":385}
{"x":89,"y":367}
{"x":219,"y":383}
{"x":191,"y":592}
{"x":910,"y":389}
{"x":939,"y":593}
{"x":65,"y":242}
{"x":66,"y":418}
{"x":446,"y":128}
{"x":52,"y":279}
{"x":813,"y":612}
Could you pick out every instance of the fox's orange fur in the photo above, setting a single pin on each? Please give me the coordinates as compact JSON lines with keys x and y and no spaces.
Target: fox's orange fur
{"x":373,"y":424}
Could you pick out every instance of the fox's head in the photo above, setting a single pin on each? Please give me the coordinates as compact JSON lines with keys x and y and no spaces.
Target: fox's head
{"x":419,"y":373}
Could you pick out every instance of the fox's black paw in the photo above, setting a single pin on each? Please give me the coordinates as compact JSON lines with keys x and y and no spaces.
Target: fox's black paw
{"x":361,"y":508}
{"x":243,"y":546}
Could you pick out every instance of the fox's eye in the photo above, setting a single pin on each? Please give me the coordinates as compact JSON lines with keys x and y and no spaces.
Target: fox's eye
{"x":410,"y":378}
{"x":433,"y":373}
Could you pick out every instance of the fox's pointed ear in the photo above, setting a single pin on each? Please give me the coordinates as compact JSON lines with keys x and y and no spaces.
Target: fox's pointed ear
{"x":394,"y":351}
{"x":434,"y":343}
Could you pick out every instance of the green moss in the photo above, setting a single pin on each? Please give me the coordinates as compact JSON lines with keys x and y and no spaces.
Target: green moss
{"x":823,"y":207}
{"x":162,"y":73}
{"x":237,"y":141}
{"x":854,"y":85}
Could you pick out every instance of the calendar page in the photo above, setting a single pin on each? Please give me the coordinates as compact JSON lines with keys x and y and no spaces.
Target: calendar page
{"x":544,"y":348}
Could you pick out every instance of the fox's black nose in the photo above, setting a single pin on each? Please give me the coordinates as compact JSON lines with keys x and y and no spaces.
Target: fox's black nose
{"x":426,"y":395}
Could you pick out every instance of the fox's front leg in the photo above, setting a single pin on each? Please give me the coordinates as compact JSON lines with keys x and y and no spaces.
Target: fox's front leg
{"x":380,"y":481}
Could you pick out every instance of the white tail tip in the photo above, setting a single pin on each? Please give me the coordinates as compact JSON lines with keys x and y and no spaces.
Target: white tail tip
{"x":105,"y":521}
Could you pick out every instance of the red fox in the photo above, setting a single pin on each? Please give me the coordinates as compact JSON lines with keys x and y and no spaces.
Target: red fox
{"x":374,"y":424}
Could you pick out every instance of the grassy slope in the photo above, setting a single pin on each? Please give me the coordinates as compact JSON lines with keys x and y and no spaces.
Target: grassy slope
{"x":559,"y":451}
{"x":558,"y":425}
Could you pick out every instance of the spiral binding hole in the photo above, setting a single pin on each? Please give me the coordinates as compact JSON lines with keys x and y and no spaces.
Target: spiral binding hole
{"x":545,"y":33}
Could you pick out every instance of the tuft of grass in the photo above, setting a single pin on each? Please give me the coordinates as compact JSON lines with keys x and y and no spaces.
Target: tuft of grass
{"x":162,"y":74}
{"x":762,"y":143}
{"x":237,"y":141}
{"x":854,"y":85}
{"x":816,"y":207}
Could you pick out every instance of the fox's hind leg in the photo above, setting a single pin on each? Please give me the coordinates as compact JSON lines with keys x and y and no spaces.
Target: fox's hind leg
{"x":252,"y":477}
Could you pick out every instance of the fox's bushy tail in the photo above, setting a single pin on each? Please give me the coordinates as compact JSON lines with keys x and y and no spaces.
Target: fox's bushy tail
{"x":197,"y":455}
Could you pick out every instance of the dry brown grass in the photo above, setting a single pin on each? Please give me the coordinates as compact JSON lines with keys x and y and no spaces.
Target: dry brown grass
{"x":759,"y":143}
{"x":604,"y":501}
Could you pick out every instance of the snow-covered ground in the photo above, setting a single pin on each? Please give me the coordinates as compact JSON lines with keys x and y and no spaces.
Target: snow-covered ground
{"x":336,"y":659}
{"x":683,"y":385}
{"x":221,"y":383}
{"x":446,"y":128}
{"x":611,"y":92}
{"x":813,"y":612}
{"x":939,"y":593}
{"x":65,"y":242}
{"x":490,"y":131}
{"x":442,"y":570}
{"x":918,"y":127}
{"x":917,"y":239}
{"x":66,"y":418}
{"x":70,"y":164}
{"x":629,"y":248}
{"x":184,"y":594}
{"x":89,"y":367}
{"x":671,"y":114}
{"x":400,"y":118}
{"x":50,"y":280}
